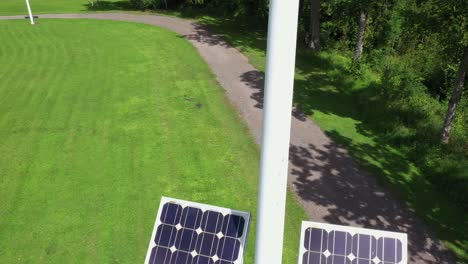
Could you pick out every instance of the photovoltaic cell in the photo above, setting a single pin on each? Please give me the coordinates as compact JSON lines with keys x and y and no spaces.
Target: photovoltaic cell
{"x":192,"y":233}
{"x":333,"y":244}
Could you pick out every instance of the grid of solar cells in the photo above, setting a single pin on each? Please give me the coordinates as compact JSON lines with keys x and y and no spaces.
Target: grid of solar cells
{"x":330,"y":246}
{"x":190,"y":235}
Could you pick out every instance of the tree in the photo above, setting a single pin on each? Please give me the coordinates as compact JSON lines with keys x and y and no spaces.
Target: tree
{"x":455,"y":99}
{"x":444,"y":22}
{"x":373,"y":14}
{"x":314,"y":26}
{"x":360,"y":38}
{"x":358,"y":23}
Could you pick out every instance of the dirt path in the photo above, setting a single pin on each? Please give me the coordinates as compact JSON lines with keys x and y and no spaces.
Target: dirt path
{"x":326,"y":180}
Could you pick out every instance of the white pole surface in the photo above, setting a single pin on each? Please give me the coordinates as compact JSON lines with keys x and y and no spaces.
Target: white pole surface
{"x":279,"y":82}
{"x":30,"y":13}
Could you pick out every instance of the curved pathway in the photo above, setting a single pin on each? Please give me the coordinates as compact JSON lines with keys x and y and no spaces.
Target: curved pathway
{"x":326,"y":180}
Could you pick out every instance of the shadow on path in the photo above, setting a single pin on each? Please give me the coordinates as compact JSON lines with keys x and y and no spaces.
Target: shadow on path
{"x":203,"y":35}
{"x":328,"y":178}
{"x":255,"y":80}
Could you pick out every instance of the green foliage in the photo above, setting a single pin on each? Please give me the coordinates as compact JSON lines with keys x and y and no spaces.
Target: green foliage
{"x":340,"y":20}
{"x":239,"y":8}
{"x":411,"y":118}
{"x":235,"y":8}
{"x":435,"y":35}
{"x":152,"y":4}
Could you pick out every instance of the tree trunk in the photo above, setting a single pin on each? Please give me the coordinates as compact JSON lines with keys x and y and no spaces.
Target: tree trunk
{"x":314,"y":27}
{"x":456,"y":96}
{"x":360,"y":39}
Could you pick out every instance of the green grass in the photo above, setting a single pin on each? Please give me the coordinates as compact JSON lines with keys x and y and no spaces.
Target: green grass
{"x":327,"y":91}
{"x":18,"y":7}
{"x":98,"y":120}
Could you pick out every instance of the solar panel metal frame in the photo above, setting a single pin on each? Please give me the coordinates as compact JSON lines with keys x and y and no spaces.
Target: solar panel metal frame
{"x":352,"y":230}
{"x":204,"y":207}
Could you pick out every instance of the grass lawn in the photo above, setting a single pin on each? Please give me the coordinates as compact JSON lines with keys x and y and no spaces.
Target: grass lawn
{"x":18,"y":7}
{"x":98,"y":120}
{"x":327,"y":92}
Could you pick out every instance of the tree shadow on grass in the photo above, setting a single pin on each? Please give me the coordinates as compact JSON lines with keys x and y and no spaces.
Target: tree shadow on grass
{"x":326,"y":84}
{"x":235,"y":31}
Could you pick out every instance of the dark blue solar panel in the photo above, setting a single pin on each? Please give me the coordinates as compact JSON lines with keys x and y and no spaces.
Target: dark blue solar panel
{"x":186,"y":239}
{"x":224,"y":262}
{"x":202,"y":260}
{"x":191,"y":217}
{"x":166,"y":235}
{"x":160,"y":255}
{"x":365,"y":247}
{"x":187,"y":235}
{"x":207,"y":244}
{"x":171,"y":214}
{"x":212,"y":222}
{"x":228,"y":248}
{"x":324,"y":247}
{"x":233,"y":225}
{"x":389,"y":250}
{"x":181,"y":257}
{"x":316,"y":239}
{"x":339,"y":243}
{"x":313,"y":257}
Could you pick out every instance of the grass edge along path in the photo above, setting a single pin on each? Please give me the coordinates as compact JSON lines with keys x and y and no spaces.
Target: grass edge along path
{"x":78,"y":180}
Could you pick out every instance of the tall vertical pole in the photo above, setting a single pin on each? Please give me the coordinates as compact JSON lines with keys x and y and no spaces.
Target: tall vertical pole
{"x":30,"y":12}
{"x":279,"y":82}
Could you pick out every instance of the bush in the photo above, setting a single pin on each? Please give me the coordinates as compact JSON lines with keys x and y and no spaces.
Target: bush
{"x":155,"y":4}
{"x":407,"y":116}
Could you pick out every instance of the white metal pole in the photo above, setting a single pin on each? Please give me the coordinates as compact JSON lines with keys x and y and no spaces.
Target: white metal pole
{"x":30,"y":12}
{"x":279,"y":82}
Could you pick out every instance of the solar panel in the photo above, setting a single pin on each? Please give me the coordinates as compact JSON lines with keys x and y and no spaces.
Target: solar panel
{"x":334,"y":244}
{"x":193,"y":233}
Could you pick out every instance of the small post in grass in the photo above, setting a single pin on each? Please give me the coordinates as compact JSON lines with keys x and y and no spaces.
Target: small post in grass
{"x":279,"y":82}
{"x":30,"y":12}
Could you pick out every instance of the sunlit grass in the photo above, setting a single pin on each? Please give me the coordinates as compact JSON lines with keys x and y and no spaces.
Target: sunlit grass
{"x":98,"y":120}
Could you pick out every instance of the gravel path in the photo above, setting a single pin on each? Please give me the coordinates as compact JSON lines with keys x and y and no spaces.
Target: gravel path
{"x":326,"y":180}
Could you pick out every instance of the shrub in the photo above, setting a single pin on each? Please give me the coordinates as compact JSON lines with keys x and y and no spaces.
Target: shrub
{"x":406,"y":115}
